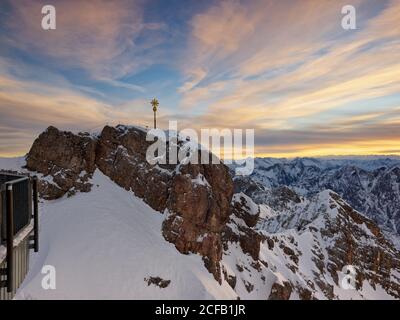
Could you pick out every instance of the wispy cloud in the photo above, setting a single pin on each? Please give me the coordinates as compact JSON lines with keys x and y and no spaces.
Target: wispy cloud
{"x":289,"y":65}
{"x":29,"y":106}
{"x":100,"y":36}
{"x":285,"y":68}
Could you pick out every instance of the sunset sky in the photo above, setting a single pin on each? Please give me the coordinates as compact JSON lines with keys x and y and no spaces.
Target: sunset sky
{"x":284,"y":68}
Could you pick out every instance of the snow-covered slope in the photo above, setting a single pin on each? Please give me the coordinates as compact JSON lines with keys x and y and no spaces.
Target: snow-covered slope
{"x":105,"y":243}
{"x":307,"y":243}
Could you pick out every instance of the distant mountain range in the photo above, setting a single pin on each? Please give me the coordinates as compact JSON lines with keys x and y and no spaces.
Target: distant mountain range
{"x":369,"y":184}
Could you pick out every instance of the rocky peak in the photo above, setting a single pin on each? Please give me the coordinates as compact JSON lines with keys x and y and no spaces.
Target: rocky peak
{"x":303,"y":244}
{"x":195,"y":198}
{"x":371,"y":185}
{"x":121,"y":155}
{"x":66,"y":159}
{"x":338,"y":236}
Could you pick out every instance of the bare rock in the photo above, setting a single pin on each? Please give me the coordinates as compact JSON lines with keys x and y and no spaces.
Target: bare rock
{"x":157,"y":281}
{"x":199,"y":212}
{"x":66,"y":158}
{"x":280,"y":292}
{"x":121,"y":155}
{"x":196,"y":198}
{"x":246,"y":209}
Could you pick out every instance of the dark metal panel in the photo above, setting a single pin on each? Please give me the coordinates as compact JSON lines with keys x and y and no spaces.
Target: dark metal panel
{"x":35,"y":213}
{"x":22,"y":202}
{"x":18,"y":205}
{"x":2,"y":216}
{"x":10,"y":238}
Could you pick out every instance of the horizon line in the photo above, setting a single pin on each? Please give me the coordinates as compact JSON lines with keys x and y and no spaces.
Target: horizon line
{"x":328,"y":156}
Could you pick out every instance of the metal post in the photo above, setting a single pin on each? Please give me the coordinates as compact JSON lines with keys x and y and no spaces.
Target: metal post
{"x":35,"y":214}
{"x":10,"y":238}
{"x":3,"y":216}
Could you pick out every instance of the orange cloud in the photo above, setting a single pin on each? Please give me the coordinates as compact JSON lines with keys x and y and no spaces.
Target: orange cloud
{"x":290,"y":64}
{"x":280,"y":67}
{"x":28,"y":107}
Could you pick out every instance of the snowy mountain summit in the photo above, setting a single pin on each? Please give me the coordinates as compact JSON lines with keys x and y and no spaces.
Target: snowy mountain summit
{"x":115,"y":226}
{"x":370,"y":184}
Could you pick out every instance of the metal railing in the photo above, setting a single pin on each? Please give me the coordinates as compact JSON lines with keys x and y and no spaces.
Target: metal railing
{"x":19,"y":205}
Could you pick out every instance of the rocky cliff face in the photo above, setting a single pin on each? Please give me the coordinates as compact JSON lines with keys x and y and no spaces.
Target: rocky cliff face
{"x":68,"y":160}
{"x":307,"y":243}
{"x":370,"y":185}
{"x":198,"y":209}
{"x":194,"y":198}
{"x":121,"y":155}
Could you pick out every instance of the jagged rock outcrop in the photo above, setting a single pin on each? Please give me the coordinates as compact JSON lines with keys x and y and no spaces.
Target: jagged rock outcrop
{"x":245,"y":215}
{"x":358,"y":241}
{"x":195,"y":198}
{"x":244,"y":208}
{"x":121,"y":155}
{"x":67,"y":159}
{"x":338,"y":236}
{"x":198,"y":212}
{"x":306,"y":245}
{"x":280,"y":292}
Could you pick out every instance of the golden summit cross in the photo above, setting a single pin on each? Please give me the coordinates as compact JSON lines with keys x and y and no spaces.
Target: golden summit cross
{"x":155,"y":104}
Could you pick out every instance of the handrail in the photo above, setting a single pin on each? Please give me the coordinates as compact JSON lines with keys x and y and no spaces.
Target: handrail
{"x":33,"y":196}
{"x":12,"y":182}
{"x":10,"y":238}
{"x":35,"y":214}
